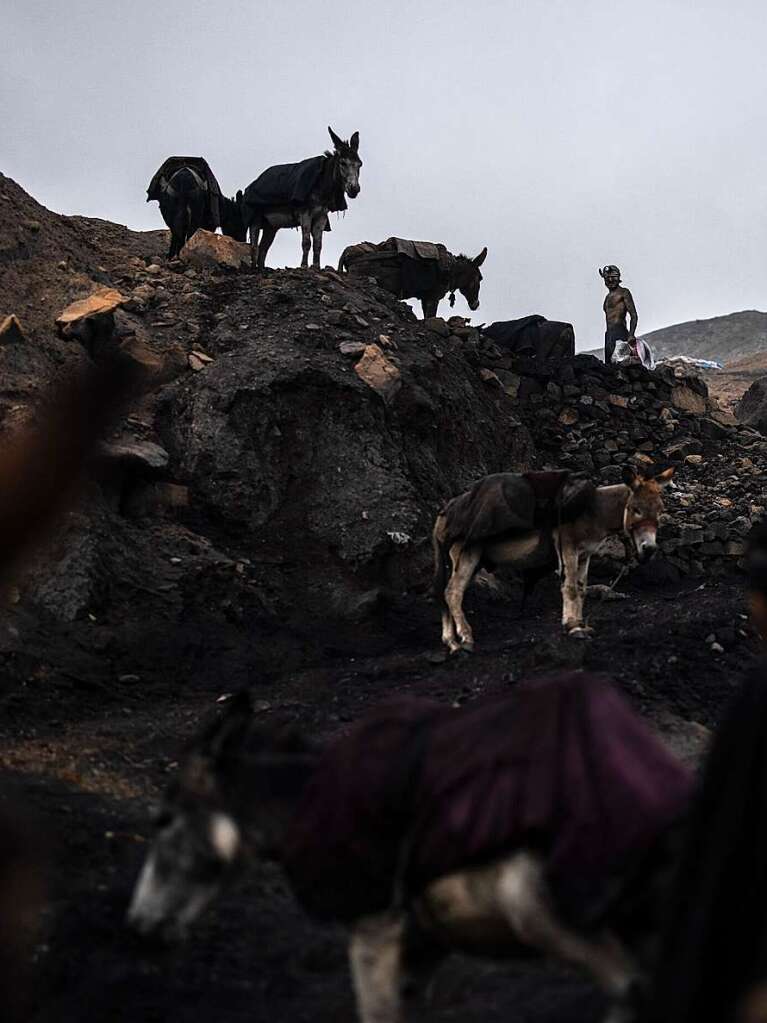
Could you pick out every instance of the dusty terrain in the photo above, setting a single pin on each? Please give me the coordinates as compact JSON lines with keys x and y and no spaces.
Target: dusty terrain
{"x":283,"y":545}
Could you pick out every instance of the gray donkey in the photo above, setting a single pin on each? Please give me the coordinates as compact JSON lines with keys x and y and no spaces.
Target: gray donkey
{"x":532,"y":521}
{"x":301,"y":195}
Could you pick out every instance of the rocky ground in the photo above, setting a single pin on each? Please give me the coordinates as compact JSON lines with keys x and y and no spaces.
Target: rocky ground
{"x":261,"y":518}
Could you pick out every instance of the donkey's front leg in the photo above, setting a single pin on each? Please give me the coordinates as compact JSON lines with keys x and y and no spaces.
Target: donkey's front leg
{"x":526,"y":901}
{"x":318,"y":226}
{"x":582,"y":584}
{"x":305,"y":223}
{"x":375,"y":955}
{"x":572,"y":607}
{"x":255,"y":231}
{"x":465,"y":561}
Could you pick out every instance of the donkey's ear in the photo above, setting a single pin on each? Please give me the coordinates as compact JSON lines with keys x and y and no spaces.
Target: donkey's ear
{"x":664,"y":478}
{"x":480,"y":259}
{"x":337,"y":142}
{"x":238,"y":197}
{"x":631,"y":477}
{"x":354,"y":142}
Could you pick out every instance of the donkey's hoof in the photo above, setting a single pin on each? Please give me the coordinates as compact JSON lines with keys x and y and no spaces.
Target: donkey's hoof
{"x":580,"y":632}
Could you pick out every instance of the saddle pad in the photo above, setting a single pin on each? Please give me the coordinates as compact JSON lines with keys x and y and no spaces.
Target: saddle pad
{"x":173,"y":163}
{"x":418,"y":790}
{"x":415,"y":250}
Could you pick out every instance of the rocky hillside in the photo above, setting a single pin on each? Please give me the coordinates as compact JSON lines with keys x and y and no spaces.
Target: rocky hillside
{"x":721,"y":338}
{"x":286,"y":462}
{"x":299,"y":432}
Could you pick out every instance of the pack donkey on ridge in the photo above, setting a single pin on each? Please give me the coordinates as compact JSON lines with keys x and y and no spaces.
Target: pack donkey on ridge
{"x":301,"y":195}
{"x":190,"y":198}
{"x":464,"y":830}
{"x":530,"y":520}
{"x":422,"y":270}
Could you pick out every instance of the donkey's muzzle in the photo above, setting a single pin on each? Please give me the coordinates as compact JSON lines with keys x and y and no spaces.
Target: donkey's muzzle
{"x":353,"y":191}
{"x":646,"y":552}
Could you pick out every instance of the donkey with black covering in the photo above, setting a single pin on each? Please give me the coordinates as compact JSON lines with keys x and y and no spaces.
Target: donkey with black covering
{"x":301,"y":195}
{"x":529,"y":521}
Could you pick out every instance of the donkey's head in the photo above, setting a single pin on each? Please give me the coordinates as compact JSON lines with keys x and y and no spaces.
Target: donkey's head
{"x":349,"y":163}
{"x":232,"y":220}
{"x":644,"y":508}
{"x":235,"y":787}
{"x":467,"y":277}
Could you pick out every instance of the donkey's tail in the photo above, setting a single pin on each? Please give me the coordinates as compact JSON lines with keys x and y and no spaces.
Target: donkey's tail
{"x":439,"y":581}
{"x":342,"y":261}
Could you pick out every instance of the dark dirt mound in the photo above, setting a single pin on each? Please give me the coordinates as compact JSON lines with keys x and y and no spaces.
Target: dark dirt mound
{"x":310,"y":427}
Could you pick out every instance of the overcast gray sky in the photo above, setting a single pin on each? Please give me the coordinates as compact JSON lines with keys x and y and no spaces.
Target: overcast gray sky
{"x":562,"y":134}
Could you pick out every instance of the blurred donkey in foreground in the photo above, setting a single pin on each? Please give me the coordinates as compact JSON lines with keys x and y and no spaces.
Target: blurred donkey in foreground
{"x":542,"y":821}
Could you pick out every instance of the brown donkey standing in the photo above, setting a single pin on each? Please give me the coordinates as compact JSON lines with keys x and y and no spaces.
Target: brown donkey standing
{"x":528,"y":521}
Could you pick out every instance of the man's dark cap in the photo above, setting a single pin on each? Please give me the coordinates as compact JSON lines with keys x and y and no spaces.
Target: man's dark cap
{"x":609,"y":269}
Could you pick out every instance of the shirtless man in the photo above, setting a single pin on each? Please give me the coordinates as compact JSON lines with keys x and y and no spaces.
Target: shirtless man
{"x":618,"y":305}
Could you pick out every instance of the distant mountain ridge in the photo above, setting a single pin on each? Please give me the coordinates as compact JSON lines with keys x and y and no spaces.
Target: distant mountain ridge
{"x":722,"y":338}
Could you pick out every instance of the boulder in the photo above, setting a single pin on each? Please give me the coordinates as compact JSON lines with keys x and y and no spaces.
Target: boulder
{"x":438,"y":325}
{"x":207,"y":250}
{"x":686,"y":399}
{"x":10,"y":331}
{"x":137,"y":456}
{"x":102,"y":303}
{"x":682,"y":448}
{"x":379,"y":373}
{"x":751,"y":410}
{"x":352,"y":349}
{"x":22,"y":365}
{"x":713,"y":429}
{"x":311,"y":474}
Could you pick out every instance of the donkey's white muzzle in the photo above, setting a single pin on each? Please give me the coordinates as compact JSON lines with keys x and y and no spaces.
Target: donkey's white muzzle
{"x":646,"y":543}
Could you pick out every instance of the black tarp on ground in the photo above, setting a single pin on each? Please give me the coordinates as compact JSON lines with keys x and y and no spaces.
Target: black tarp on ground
{"x":533,"y":335}
{"x":417,"y":790}
{"x":196,"y":163}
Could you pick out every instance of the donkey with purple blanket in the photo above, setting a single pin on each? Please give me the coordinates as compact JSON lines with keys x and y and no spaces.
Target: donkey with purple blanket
{"x":540,"y":821}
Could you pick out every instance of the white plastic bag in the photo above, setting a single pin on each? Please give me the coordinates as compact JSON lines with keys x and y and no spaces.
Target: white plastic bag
{"x":625,"y":354}
{"x":622,"y":353}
